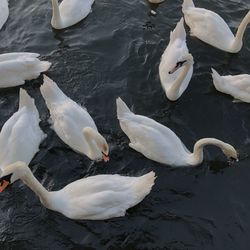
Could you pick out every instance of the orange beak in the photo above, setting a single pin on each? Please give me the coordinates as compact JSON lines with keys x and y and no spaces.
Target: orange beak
{"x":4,"y":184}
{"x":105,"y":157}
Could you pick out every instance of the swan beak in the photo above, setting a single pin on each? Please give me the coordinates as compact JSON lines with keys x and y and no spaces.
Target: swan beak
{"x":3,"y":185}
{"x":105,"y":157}
{"x":177,"y":66}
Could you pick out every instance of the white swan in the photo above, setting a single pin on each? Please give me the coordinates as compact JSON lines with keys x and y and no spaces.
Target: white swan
{"x":176,"y":66}
{"x":156,"y":1}
{"x":212,"y":29}
{"x":237,"y":86}
{"x":73,"y":124}
{"x":4,"y":12}
{"x":97,"y":197}
{"x":21,"y":135}
{"x":15,"y":68}
{"x":69,"y":12}
{"x":161,"y":144}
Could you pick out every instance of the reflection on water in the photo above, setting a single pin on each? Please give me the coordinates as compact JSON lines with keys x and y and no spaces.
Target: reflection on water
{"x":116,"y":52}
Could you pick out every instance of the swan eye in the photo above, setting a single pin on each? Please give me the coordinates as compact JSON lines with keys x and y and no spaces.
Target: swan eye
{"x":179,"y":64}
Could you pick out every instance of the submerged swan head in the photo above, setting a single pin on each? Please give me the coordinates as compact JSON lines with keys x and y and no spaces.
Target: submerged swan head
{"x":185,"y":59}
{"x":100,"y":142}
{"x":230,"y":152}
{"x":12,"y":173}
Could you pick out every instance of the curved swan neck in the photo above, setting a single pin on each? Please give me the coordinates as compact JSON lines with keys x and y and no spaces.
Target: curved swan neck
{"x":92,"y":138}
{"x":173,"y":91}
{"x":237,"y":44}
{"x":56,"y":17}
{"x":30,"y":180}
{"x":197,"y":156}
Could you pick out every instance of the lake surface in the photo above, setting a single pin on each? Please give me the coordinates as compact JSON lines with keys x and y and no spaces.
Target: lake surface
{"x":116,"y":52}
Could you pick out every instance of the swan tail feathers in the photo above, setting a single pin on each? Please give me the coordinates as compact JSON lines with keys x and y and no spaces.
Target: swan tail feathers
{"x":179,"y":31}
{"x":26,"y":101}
{"x":187,"y":4}
{"x":122,"y":108}
{"x":216,"y":78}
{"x":143,"y":186}
{"x":51,"y":92}
{"x":44,"y":66}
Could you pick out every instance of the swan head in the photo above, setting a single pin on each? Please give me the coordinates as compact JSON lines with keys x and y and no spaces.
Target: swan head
{"x":9,"y":174}
{"x":100,"y":142}
{"x":185,"y":59}
{"x":230,"y":152}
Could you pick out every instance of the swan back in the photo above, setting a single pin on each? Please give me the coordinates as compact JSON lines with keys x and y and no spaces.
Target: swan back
{"x":102,"y":196}
{"x":4,"y":12}
{"x":51,"y":93}
{"x":68,"y":118}
{"x":15,"y":68}
{"x":21,"y":135}
{"x":208,"y":26}
{"x":174,"y":53}
{"x":73,"y":11}
{"x":152,"y":139}
{"x":237,"y":86}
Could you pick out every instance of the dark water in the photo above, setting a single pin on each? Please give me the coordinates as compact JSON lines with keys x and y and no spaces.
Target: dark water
{"x":115,"y":52}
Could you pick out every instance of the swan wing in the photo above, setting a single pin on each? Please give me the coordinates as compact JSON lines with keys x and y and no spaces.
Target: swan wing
{"x":68,"y":121}
{"x":21,"y":135}
{"x":209,"y":27}
{"x":72,"y":11}
{"x":237,"y":86}
{"x":4,"y":12}
{"x":14,"y":71}
{"x":104,"y":196}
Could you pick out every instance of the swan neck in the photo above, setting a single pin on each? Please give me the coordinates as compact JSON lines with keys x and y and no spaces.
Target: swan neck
{"x":56,"y":17}
{"x":197,"y":156}
{"x":240,"y":33}
{"x":30,"y":180}
{"x":174,"y":90}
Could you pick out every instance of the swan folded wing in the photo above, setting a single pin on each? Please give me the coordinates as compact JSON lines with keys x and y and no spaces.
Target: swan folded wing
{"x":72,"y":11}
{"x":209,"y":27}
{"x":15,"y":72}
{"x":241,"y":82}
{"x":17,"y":55}
{"x":69,"y":123}
{"x":4,"y":12}
{"x":101,"y":205}
{"x":21,"y":139}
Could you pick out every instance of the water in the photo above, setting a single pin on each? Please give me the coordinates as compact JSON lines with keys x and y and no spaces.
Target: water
{"x":116,"y":52}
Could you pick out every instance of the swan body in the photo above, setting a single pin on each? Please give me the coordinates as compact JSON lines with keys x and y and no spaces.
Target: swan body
{"x":69,"y":12}
{"x":161,"y":144}
{"x":21,"y":135}
{"x":176,"y":66}
{"x":73,"y":124}
{"x":156,"y":1}
{"x":15,"y":68}
{"x":237,"y":86}
{"x":212,"y":29}
{"x":4,"y":12}
{"x":93,"y":198}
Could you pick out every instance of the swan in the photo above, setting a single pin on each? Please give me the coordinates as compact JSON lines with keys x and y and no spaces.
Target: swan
{"x":176,"y":66}
{"x":4,"y":12}
{"x":161,"y":144}
{"x":212,"y":29}
{"x":237,"y":86}
{"x":156,"y":1}
{"x":15,"y":68}
{"x":21,"y":135}
{"x":97,"y":197}
{"x":69,"y":12}
{"x":73,"y":124}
